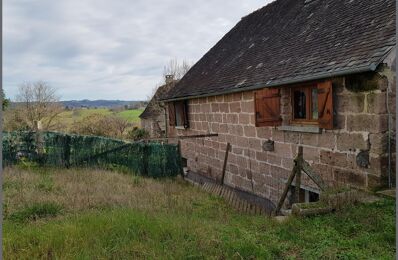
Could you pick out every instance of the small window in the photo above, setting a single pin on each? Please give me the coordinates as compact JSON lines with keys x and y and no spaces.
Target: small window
{"x":178,"y":114}
{"x":305,"y":195}
{"x":305,"y":104}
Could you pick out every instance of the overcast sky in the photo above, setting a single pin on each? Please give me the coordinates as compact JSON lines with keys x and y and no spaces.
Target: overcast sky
{"x":102,"y":49}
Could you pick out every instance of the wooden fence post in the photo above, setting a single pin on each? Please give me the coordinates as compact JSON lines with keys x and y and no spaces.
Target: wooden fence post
{"x":180,"y":154}
{"x":225,"y":162}
{"x":299,"y":162}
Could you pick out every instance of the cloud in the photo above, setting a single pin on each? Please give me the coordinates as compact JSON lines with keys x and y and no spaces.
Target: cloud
{"x":101,"y":49}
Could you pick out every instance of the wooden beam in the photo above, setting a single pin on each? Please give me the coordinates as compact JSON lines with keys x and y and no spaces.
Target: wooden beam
{"x":286,"y":190}
{"x":313,"y":176}
{"x":227,"y":150}
{"x":181,"y":137}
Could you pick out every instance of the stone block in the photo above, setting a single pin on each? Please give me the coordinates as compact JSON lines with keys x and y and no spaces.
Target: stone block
{"x":340,"y":121}
{"x":205,"y":108}
{"x":366,"y":122}
{"x":333,"y":158}
{"x":311,"y":154}
{"x":327,"y":140}
{"x":234,"y":107}
{"x":242,"y":142}
{"x":264,"y":168}
{"x":261,"y":156}
{"x":211,"y":99}
{"x":250,"y":131}
{"x":274,"y":159}
{"x":248,"y":95}
{"x":237,"y":96}
{"x":247,"y":106}
{"x":377,"y":103}
{"x":224,"y":107}
{"x":232,"y":119}
{"x":223,"y":128}
{"x":351,"y":142}
{"x":291,"y":137}
{"x":284,"y":150}
{"x":264,"y":132}
{"x":349,"y":103}
{"x":378,"y":143}
{"x":278,"y":135}
{"x":255,"y":144}
{"x":244,"y":119}
{"x":220,"y":98}
{"x":287,"y":163}
{"x":279,"y":173}
{"x":309,"y":139}
{"x":215,"y":127}
{"x":324,"y":171}
{"x":215,"y":108}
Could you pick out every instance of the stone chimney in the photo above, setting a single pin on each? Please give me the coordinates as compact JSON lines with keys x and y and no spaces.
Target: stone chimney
{"x":169,"y":79}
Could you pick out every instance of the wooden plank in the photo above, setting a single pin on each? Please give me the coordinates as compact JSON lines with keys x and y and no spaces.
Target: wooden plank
{"x":213,"y":188}
{"x":231,"y":197}
{"x":286,"y":189}
{"x":224,"y":167}
{"x":313,"y":175}
{"x":219,"y":189}
{"x":234,"y":201}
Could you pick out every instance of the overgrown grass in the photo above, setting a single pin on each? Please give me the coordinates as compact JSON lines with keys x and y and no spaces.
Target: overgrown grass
{"x":105,"y":214}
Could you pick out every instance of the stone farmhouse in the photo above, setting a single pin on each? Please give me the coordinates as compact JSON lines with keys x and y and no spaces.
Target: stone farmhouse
{"x":313,"y":73}
{"x":154,"y":116}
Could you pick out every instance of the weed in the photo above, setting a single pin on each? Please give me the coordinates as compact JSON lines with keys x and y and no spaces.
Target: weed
{"x":46,"y":184}
{"x":36,"y":211}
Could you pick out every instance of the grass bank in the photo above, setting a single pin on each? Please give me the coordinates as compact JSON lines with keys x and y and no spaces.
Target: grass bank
{"x":86,"y":214}
{"x":70,"y":117}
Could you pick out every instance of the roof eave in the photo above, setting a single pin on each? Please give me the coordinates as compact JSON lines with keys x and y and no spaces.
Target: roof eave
{"x":318,"y":76}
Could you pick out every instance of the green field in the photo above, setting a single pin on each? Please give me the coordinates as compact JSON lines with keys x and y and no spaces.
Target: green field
{"x":69,"y":117}
{"x":96,"y":214}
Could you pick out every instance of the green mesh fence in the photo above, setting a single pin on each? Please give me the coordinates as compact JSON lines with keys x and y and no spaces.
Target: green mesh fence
{"x":62,"y":150}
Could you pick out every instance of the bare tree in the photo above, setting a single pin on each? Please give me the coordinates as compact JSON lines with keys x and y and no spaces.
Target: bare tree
{"x":118,"y":124}
{"x":38,"y":102}
{"x":177,"y":69}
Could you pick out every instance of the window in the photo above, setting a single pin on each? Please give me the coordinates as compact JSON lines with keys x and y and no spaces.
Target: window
{"x":178,"y":114}
{"x":304,"y":196}
{"x":311,"y":104}
{"x":305,"y":104}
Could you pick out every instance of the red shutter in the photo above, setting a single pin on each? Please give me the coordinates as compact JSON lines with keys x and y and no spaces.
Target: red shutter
{"x":268,"y":109}
{"x":325,"y":105}
{"x":172,"y":114}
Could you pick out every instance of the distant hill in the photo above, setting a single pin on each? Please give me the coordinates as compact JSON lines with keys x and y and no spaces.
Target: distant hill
{"x":100,"y":103}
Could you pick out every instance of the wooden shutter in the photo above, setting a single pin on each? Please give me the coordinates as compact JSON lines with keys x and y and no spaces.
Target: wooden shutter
{"x":185,"y":114}
{"x":325,"y":105}
{"x":268,"y":109}
{"x":172,"y":114}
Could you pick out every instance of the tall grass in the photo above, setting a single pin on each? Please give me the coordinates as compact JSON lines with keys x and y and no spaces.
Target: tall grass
{"x":107,"y":215}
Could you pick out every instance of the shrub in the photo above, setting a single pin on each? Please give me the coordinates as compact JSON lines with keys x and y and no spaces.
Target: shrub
{"x":138,"y":134}
{"x":36,"y":211}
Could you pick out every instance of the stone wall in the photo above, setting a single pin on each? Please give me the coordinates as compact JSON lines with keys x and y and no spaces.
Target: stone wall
{"x":155,"y":126}
{"x":361,"y":125}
